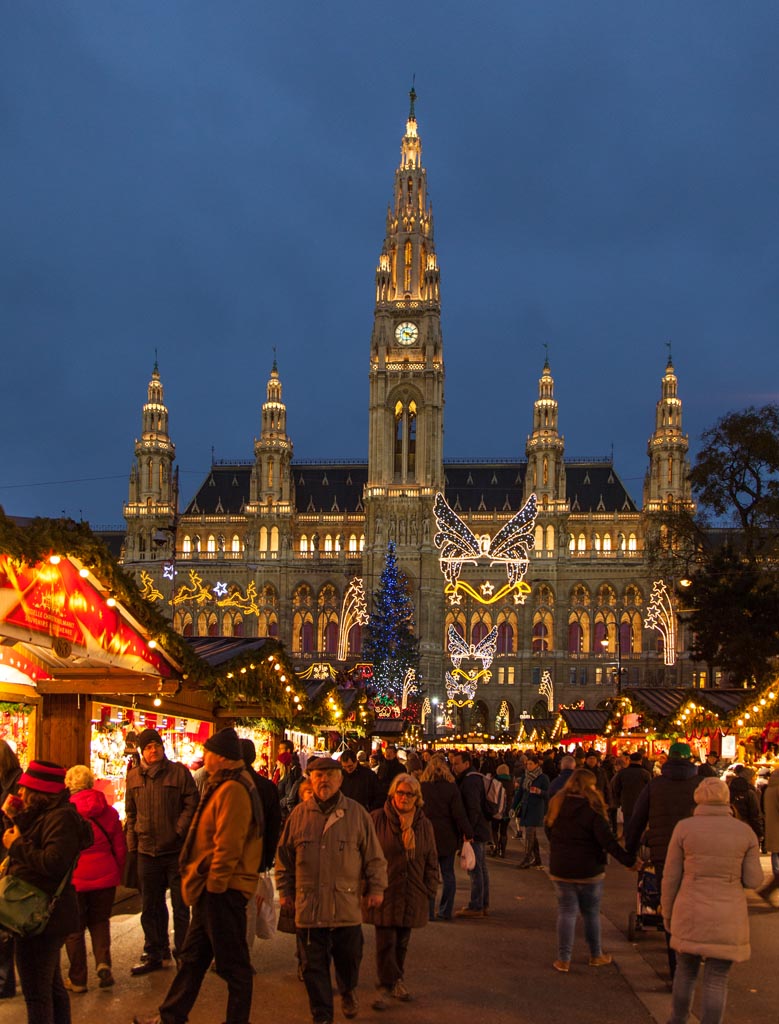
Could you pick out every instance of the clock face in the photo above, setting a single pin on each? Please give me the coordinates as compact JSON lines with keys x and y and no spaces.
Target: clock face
{"x":407,"y":333}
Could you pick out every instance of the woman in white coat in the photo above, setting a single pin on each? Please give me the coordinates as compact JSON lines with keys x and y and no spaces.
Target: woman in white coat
{"x":712,"y":858}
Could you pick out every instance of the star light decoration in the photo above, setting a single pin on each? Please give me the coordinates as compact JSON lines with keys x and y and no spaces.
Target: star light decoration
{"x":354,"y":610}
{"x":220,"y":589}
{"x":662,"y":617}
{"x":169,"y":571}
{"x":546,"y":689}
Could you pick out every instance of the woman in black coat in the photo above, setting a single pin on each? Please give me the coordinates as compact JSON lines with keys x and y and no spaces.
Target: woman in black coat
{"x":579,"y":840}
{"x":407,"y":840}
{"x":10,"y":771}
{"x":444,"y":807}
{"x":43,"y":844}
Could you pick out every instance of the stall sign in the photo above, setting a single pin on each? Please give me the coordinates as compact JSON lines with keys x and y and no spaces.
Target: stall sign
{"x":55,"y":601}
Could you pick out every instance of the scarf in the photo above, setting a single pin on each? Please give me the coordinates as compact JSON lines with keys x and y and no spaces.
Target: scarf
{"x":404,"y":823}
{"x":530,"y":778}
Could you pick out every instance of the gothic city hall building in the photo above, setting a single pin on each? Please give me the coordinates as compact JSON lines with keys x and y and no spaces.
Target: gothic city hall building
{"x":273,"y":546}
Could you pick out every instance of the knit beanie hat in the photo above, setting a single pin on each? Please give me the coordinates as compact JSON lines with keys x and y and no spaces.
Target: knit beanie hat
{"x":225,"y":743}
{"x":44,"y":777}
{"x":680,"y":750}
{"x":248,"y":751}
{"x":146,"y":737}
{"x":712,"y":791}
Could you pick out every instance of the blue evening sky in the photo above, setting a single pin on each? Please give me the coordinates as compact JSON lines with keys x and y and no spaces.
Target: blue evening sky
{"x":210,"y":180}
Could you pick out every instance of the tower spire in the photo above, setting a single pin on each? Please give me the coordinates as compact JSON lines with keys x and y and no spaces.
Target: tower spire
{"x":667,"y":480}
{"x":413,"y":97}
{"x":545,"y":446}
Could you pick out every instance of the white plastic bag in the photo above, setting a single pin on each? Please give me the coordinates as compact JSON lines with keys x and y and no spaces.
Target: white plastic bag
{"x":467,"y":857}
{"x":266,"y":912}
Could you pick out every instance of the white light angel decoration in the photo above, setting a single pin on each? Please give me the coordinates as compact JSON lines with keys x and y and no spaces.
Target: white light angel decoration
{"x":459,"y":546}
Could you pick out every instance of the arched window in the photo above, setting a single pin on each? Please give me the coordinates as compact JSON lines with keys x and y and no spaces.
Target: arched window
{"x":540,"y":635}
{"x":550,"y":538}
{"x":362,"y":542}
{"x":538,"y":537}
{"x":236,"y":543}
{"x":581,"y":544}
{"x":575,"y":637}
{"x":353,"y":543}
{"x":398,"y":468}
{"x":355,"y":639}
{"x":632,"y":543}
{"x":211,"y":544}
{"x":307,"y":637}
{"x":328,"y":542}
{"x":264,"y":539}
{"x":331,"y":638}
{"x":186,"y":545}
{"x":274,"y":538}
{"x":303,"y":542}
{"x":505,"y":643}
{"x":606,"y":542}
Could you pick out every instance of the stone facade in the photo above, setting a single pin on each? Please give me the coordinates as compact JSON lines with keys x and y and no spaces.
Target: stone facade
{"x":270,"y":546}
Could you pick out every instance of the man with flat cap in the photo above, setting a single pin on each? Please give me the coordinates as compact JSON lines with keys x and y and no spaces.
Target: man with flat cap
{"x":328,"y":863}
{"x":160,"y":802}
{"x":219,"y":871}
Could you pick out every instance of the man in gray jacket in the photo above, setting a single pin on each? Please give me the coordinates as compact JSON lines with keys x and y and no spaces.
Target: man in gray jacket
{"x":160,"y":803}
{"x":327,"y":862}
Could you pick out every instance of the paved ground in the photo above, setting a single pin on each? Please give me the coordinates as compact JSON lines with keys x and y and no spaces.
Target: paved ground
{"x":496,"y":969}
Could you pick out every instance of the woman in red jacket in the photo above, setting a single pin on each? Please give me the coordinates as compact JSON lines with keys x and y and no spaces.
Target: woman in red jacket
{"x":97,"y":874}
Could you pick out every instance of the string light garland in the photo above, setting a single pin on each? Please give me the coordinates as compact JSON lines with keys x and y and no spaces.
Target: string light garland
{"x":662,"y":617}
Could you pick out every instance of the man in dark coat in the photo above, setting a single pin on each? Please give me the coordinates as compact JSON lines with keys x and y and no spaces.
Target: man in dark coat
{"x":388,"y":768}
{"x":660,"y":805}
{"x":567,"y":768}
{"x":271,"y":806}
{"x":160,"y":803}
{"x":627,"y":785}
{"x":360,"y":783}
{"x":709,"y":769}
{"x":475,"y":802}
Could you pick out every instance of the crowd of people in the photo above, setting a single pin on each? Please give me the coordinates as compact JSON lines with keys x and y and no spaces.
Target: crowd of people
{"x":369,"y":839}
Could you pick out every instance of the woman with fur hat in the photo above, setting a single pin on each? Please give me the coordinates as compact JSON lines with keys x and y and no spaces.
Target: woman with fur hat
{"x":711,"y":859}
{"x":97,"y":874}
{"x":43,"y":844}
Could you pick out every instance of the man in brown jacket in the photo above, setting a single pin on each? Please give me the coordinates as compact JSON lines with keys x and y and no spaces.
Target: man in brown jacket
{"x":218,"y":876}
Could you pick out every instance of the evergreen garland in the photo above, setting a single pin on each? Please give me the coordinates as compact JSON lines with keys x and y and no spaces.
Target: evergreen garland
{"x":391,"y":645}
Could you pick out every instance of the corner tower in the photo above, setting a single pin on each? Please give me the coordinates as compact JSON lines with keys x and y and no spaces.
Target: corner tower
{"x":667,"y":481}
{"x":151,"y":507}
{"x":545,"y":447}
{"x":271,"y":480}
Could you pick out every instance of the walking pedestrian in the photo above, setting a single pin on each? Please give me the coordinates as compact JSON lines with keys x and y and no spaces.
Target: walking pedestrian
{"x":627,"y":785}
{"x":771,"y":813}
{"x":532,"y":808}
{"x":474,"y":799}
{"x":444,"y":807}
{"x":10,"y":773}
{"x":43,"y":843}
{"x":407,"y":840}
{"x":328,"y":859}
{"x":160,"y":803}
{"x":219,"y":871}
{"x":271,"y":816}
{"x":97,"y":874}
{"x":359,"y":783}
{"x":579,"y":840}
{"x":711,"y":858}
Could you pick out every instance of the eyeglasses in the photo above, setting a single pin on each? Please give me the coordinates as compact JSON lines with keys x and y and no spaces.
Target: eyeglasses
{"x":404,"y":792}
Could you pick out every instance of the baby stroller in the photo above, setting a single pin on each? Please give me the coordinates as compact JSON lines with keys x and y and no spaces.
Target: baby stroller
{"x":647,"y":914}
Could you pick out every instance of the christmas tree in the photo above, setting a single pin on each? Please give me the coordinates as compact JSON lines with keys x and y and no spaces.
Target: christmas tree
{"x":390,"y":645}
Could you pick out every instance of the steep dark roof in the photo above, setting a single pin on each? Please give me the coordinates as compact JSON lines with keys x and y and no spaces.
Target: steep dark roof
{"x":333,"y":487}
{"x":224,"y":491}
{"x":585,"y":721}
{"x":329,"y":487}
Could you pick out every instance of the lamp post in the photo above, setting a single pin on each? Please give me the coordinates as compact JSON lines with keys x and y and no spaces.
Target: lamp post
{"x":618,"y":646}
{"x":434,"y":716}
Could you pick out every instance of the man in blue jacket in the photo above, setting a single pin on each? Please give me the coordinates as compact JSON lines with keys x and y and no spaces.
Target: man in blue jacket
{"x":471,"y":785}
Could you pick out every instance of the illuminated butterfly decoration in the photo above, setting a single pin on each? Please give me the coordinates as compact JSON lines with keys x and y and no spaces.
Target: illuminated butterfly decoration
{"x":484,"y":650}
{"x":510,"y":546}
{"x":459,"y":692}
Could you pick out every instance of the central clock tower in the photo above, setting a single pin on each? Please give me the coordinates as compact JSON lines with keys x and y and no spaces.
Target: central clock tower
{"x":406,"y":418}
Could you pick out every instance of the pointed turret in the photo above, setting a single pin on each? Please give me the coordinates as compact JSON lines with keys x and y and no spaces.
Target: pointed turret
{"x":667,"y":481}
{"x":151,"y":505}
{"x":545,"y":446}
{"x":270,"y":483}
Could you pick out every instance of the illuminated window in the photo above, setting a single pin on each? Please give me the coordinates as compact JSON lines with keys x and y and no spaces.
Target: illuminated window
{"x":328,"y":542}
{"x":264,"y":539}
{"x":186,"y":545}
{"x":632,"y":544}
{"x":274,"y":538}
{"x":606,"y":542}
{"x":550,"y":538}
{"x":303,"y":542}
{"x":412,"y":440}
{"x":211,"y":543}
{"x":362,"y":542}
{"x":236,"y":543}
{"x":270,"y":472}
{"x":407,"y":268}
{"x":582,"y":543}
{"x":510,"y":675}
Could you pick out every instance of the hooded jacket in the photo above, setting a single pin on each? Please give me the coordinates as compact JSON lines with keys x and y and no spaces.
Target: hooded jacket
{"x":100,"y":865}
{"x":711,"y":858}
{"x":660,"y":805}
{"x":579,"y":841}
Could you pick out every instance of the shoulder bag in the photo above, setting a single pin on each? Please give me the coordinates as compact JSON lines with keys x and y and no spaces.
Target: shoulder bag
{"x":24,"y":908}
